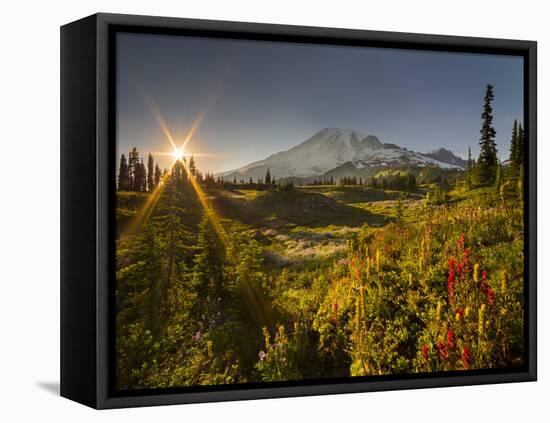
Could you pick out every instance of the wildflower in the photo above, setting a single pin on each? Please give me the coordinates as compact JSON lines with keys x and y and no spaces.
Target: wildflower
{"x":451,"y":338}
{"x":451,"y":264}
{"x":476,"y":272}
{"x":481,"y":321}
{"x":425,"y":353}
{"x":451,"y":284}
{"x":378,"y":260}
{"x":266,"y":337}
{"x":467,"y":311}
{"x":262,"y":355}
{"x":490,"y":296}
{"x":359,"y":274}
{"x":460,"y":242}
{"x":465,"y":356}
{"x":197,"y":335}
{"x":438,"y":311}
{"x":484,"y":275}
{"x":442,"y":350}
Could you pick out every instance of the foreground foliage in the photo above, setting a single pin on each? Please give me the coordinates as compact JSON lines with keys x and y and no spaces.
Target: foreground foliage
{"x":432,"y":286}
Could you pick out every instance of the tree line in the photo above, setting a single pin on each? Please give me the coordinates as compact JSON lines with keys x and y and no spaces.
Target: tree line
{"x":133,"y":175}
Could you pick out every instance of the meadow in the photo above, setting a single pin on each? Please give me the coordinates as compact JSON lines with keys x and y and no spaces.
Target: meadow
{"x":222,"y":283}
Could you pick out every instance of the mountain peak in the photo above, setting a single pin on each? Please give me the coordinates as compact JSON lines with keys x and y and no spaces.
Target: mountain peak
{"x":447,"y":156}
{"x":332,"y":147}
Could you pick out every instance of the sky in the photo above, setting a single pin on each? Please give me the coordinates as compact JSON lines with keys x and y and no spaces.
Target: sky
{"x":249,"y":99}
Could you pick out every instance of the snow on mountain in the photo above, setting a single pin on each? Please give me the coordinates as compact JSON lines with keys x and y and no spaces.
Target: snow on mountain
{"x":447,"y":156}
{"x":331,"y":148}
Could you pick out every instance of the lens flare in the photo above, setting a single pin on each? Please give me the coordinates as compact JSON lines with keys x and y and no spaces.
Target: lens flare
{"x":178,"y":153}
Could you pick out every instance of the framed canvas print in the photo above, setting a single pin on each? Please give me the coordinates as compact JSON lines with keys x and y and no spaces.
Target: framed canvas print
{"x":255,"y":211}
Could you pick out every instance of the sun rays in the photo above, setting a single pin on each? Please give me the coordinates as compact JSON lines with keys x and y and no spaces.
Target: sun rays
{"x":179,"y":154}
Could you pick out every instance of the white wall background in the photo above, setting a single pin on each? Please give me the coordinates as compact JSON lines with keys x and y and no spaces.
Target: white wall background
{"x":29,"y":209}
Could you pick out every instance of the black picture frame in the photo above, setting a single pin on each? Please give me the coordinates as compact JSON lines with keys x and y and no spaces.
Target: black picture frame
{"x":87,"y":219}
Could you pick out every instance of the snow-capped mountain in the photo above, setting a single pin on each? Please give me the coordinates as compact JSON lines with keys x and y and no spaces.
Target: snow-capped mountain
{"x":446,"y":156}
{"x":331,"y":148}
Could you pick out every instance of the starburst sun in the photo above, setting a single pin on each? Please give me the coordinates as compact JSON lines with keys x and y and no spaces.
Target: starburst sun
{"x":178,"y":153}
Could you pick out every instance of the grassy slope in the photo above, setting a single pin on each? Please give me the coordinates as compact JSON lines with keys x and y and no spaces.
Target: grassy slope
{"x":305,"y":235}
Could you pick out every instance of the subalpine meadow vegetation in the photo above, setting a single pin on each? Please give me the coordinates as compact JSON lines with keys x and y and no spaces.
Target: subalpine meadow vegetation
{"x":223,"y":282}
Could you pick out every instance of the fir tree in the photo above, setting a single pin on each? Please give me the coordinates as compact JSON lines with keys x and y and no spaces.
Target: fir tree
{"x":469,"y":169}
{"x":133,"y":170}
{"x":142,"y":177}
{"x":158,"y":175}
{"x":123,"y":176}
{"x":487,"y":162}
{"x":209,"y":272}
{"x":267,"y":177}
{"x":520,"y":146}
{"x":150,"y":173}
{"x":192,"y":166}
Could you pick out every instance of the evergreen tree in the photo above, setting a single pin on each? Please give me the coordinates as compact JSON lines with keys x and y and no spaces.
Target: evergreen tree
{"x":267,"y":177}
{"x":209,"y":276}
{"x":133,"y":170}
{"x":469,"y":169}
{"x":514,"y":164}
{"x":123,"y":176}
{"x":520,"y":146}
{"x":143,"y":177}
{"x":150,"y":173}
{"x":192,"y":166}
{"x":487,"y":162}
{"x":158,"y":175}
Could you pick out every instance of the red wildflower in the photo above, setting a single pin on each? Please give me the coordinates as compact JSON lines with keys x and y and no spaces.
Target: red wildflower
{"x":465,"y":357}
{"x":484,"y":275}
{"x":460,"y":312}
{"x":490,"y":296}
{"x":465,"y":254}
{"x":425,"y":353}
{"x":451,"y":277}
{"x":451,"y":284}
{"x":442,"y":349}
{"x":451,"y":264}
{"x":460,"y":242}
{"x":451,"y":338}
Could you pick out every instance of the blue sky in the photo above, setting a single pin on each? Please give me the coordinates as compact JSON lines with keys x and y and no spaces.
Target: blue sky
{"x":259,"y":97}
